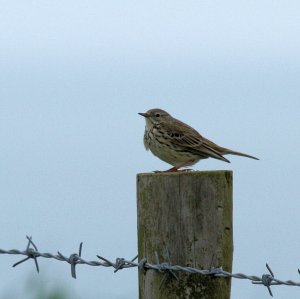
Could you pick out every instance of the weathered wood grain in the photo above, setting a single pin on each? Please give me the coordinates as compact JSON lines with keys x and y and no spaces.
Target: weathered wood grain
{"x":190,"y":215}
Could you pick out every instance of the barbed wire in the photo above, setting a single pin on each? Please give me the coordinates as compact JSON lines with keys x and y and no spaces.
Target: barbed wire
{"x":31,"y":252}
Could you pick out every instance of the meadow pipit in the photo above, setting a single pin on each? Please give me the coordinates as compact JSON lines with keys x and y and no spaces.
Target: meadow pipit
{"x":179,"y":144}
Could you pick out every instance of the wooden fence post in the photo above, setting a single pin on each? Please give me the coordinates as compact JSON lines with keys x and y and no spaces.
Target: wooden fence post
{"x":189,"y":214}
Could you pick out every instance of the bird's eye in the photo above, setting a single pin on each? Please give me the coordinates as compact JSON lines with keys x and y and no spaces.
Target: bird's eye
{"x":157,"y":115}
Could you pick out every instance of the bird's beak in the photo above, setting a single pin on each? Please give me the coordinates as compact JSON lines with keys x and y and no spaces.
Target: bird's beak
{"x":144,"y":114}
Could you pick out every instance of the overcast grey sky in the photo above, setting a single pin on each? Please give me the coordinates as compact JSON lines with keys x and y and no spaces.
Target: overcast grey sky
{"x":74,"y":75}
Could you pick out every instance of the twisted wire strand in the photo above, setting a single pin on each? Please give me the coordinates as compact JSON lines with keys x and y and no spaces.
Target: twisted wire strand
{"x":74,"y":259}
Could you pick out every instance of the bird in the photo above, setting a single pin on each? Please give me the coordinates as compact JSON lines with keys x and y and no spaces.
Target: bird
{"x":177,"y":143}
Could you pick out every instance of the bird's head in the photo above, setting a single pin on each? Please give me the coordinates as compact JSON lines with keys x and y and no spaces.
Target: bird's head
{"x":155,"y":116}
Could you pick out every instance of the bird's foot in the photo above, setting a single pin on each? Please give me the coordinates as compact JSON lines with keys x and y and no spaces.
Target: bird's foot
{"x":173,"y":169}
{"x":186,"y":170}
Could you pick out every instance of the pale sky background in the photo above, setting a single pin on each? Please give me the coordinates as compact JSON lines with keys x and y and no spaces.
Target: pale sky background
{"x":74,"y":75}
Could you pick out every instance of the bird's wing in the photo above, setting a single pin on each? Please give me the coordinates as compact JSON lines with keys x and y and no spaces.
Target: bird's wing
{"x":190,"y":140}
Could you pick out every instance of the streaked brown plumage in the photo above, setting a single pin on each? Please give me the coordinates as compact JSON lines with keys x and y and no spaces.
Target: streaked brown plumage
{"x":177,"y":143}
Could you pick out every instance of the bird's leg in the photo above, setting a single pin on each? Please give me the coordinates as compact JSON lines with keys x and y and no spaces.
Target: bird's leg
{"x":173,"y":169}
{"x":186,"y":170}
{"x":176,"y":168}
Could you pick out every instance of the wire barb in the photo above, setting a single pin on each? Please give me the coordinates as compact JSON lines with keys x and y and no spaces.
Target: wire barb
{"x":32,"y":253}
{"x":73,"y":260}
{"x":267,"y":279}
{"x":142,"y":265}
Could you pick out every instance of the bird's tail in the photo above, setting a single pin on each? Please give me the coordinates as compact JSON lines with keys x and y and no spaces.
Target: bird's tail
{"x":226,"y":151}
